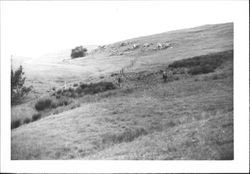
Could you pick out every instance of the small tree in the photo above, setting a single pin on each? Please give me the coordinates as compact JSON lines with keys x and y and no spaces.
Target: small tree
{"x":78,"y":52}
{"x":18,"y":90}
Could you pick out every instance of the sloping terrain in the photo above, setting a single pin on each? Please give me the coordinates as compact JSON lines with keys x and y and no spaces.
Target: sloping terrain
{"x":188,"y":117}
{"x":46,"y":72}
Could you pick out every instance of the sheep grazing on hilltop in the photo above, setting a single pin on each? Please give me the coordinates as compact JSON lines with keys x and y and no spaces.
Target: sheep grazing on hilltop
{"x":166,"y":45}
{"x":159,"y":45}
{"x":135,"y":46}
{"x":163,"y":45}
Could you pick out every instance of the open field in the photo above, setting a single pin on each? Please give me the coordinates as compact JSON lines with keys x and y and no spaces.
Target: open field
{"x":188,"y":117}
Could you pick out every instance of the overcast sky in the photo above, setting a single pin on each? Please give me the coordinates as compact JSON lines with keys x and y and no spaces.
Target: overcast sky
{"x":35,"y":28}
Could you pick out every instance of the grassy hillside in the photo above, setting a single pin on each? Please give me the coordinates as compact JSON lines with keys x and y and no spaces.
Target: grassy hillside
{"x":188,"y":117}
{"x":46,"y":72}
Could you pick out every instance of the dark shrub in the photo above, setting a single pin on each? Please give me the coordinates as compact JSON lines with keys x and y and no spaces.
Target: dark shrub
{"x":109,"y":85}
{"x":78,"y":52}
{"x":15,"y":124}
{"x":18,"y":90}
{"x":26,"y":120}
{"x":43,"y":104}
{"x":75,"y":85}
{"x":91,"y":88}
{"x":94,"y":88}
{"x":36,"y":116}
{"x":65,"y":103}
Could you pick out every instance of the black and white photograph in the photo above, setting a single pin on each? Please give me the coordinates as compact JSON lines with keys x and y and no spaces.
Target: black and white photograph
{"x":123,"y":81}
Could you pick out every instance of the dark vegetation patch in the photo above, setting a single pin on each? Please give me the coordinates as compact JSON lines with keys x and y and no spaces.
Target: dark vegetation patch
{"x":84,"y":89}
{"x":26,"y":120}
{"x":48,"y":103}
{"x":94,"y":88}
{"x":78,"y":52}
{"x":18,"y":123}
{"x":203,"y":64}
{"x":43,"y":104}
{"x":15,"y":124}
{"x":36,"y":117}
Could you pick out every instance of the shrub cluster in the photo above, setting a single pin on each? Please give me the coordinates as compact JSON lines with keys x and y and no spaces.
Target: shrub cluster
{"x":94,"y":88}
{"x":84,"y":89}
{"x":47,"y":103}
{"x":203,"y":64}
{"x":78,"y":52}
{"x":36,"y":116}
{"x":43,"y":104}
{"x":18,"y":123}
